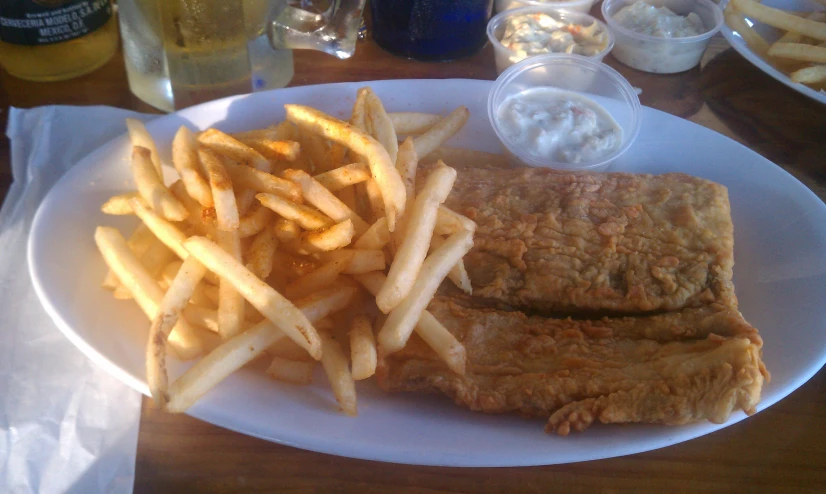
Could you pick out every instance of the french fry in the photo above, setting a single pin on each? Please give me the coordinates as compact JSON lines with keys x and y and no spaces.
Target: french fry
{"x":139,"y":136}
{"x":230,"y":301}
{"x":286,"y":230}
{"x":119,"y":205}
{"x":737,"y":22}
{"x":412,"y":122}
{"x":361,"y":261}
{"x":403,"y":318}
{"x":326,"y":202}
{"x":362,"y":348}
{"x":176,"y":298}
{"x":442,"y":341}
{"x":250,"y":178}
{"x":288,"y":349}
{"x":798,"y":51}
{"x":201,"y":218}
{"x":780,"y":19}
{"x":449,"y":222}
{"x":151,"y":188}
{"x":348,"y":197}
{"x":165,"y":231}
{"x":325,"y":302}
{"x":223,"y":194}
{"x":139,"y":243}
{"x":211,"y":292}
{"x":413,"y":248}
{"x":260,"y":254}
{"x":337,"y":369}
{"x":267,"y":301}
{"x":273,"y":150}
{"x":291,"y":371}
{"x":306,"y":217}
{"x":171,"y":269}
{"x":244,"y":200}
{"x":185,"y":160}
{"x":270,"y":132}
{"x":234,"y":149}
{"x":294,"y":267}
{"x":145,"y":290}
{"x":381,"y":166}
{"x":376,"y":237}
{"x":343,"y":176}
{"x":380,"y":124}
{"x":458,"y":274}
{"x":216,"y":366}
{"x":255,"y":221}
{"x":373,"y":191}
{"x":810,"y":75}
{"x":441,"y":132}
{"x":318,"y":279}
{"x":335,"y":237}
{"x":201,"y":316}
{"x":406,"y":163}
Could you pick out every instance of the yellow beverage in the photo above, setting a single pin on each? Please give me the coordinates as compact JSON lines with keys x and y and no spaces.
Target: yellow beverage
{"x":57,"y":39}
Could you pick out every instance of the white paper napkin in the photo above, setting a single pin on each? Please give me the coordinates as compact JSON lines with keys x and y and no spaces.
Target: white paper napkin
{"x":65,"y":425}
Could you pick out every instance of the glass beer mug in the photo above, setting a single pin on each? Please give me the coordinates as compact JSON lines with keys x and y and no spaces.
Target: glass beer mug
{"x":183,"y":52}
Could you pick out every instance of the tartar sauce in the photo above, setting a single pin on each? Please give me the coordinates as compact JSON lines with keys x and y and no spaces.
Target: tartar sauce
{"x":538,"y":33}
{"x":559,"y":125}
{"x":661,"y":22}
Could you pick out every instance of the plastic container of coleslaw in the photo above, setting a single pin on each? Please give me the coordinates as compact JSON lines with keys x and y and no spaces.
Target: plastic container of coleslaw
{"x":663,"y":55}
{"x":575,"y":5}
{"x":584,"y":76}
{"x":505,"y":57}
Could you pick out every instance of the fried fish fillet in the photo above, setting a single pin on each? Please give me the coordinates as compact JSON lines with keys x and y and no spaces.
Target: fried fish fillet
{"x":671,"y":368}
{"x":574,"y":242}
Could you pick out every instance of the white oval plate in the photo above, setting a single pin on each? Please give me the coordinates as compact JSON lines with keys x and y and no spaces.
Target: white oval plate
{"x":780,"y":230}
{"x":771,"y":35}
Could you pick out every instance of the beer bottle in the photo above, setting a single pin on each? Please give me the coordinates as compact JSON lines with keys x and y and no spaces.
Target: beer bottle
{"x":52,"y":40}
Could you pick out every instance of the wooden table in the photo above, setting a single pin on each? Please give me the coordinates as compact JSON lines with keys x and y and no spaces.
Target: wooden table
{"x":782,"y":449}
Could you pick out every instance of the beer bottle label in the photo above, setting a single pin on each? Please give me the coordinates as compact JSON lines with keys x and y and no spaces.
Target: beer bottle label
{"x":43,"y":22}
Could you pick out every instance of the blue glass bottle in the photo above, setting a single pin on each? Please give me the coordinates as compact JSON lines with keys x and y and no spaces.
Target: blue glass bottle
{"x":432,"y":30}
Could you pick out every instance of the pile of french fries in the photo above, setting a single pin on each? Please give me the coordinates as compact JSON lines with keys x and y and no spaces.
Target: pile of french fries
{"x":801,"y":50}
{"x":300,"y":243}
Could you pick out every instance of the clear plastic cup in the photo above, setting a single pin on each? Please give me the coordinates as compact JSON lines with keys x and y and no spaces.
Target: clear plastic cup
{"x":575,"y":5}
{"x":578,"y":74}
{"x":506,"y":57}
{"x":663,"y":55}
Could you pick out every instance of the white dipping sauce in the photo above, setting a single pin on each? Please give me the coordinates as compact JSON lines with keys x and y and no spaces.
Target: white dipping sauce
{"x":537,"y":33}
{"x":559,"y":125}
{"x":659,"y":21}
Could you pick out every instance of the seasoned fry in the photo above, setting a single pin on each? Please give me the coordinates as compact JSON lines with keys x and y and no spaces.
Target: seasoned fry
{"x":458,"y":274}
{"x":306,"y":217}
{"x":362,"y":348}
{"x":234,"y":149}
{"x":441,"y":132}
{"x":260,"y":254}
{"x":255,"y":221}
{"x":286,"y":230}
{"x":413,"y":248}
{"x":798,"y":51}
{"x":315,"y":194}
{"x":780,"y":19}
{"x":343,"y":176}
{"x":230,"y":302}
{"x":318,"y":279}
{"x":449,"y":222}
{"x":139,"y":242}
{"x":176,"y":298}
{"x":151,"y":188}
{"x":119,"y":204}
{"x":376,"y":237}
{"x":325,"y":302}
{"x":737,"y":22}
{"x":335,"y":237}
{"x":201,"y":316}
{"x":273,"y":150}
{"x":406,"y":163}
{"x":412,"y":122}
{"x":428,"y":327}
{"x":250,"y":178}
{"x":288,"y":349}
{"x":165,"y":231}
{"x":337,"y":369}
{"x":380,"y":125}
{"x":244,"y":200}
{"x":139,"y":137}
{"x":223,"y":195}
{"x":200,"y":218}
{"x":145,"y":290}
{"x":376,"y":202}
{"x":361,"y":261}
{"x":381,"y":166}
{"x":216,"y":366}
{"x":403,"y":318}
{"x":185,"y":159}
{"x":266,"y":300}
{"x":291,"y":371}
